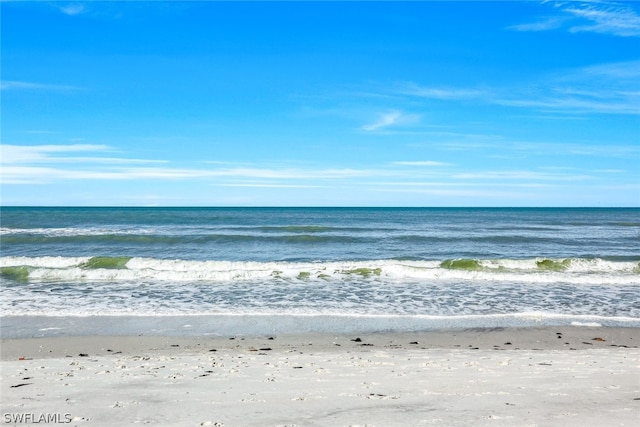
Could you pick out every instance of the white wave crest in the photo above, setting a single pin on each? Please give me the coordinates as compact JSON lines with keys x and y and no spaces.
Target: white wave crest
{"x":75,"y":231}
{"x":576,"y":271}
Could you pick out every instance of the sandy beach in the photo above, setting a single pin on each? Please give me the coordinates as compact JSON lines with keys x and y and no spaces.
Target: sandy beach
{"x":568,"y":376}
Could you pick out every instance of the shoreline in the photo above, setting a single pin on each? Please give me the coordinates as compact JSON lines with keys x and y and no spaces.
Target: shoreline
{"x":240,"y":324}
{"x":570,"y":338}
{"x":485,"y":377}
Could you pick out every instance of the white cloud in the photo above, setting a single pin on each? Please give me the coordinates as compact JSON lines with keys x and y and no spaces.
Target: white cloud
{"x":391,"y":119}
{"x":104,"y":160}
{"x":602,"y":17}
{"x":421,"y":184}
{"x":520,"y":149}
{"x":521,"y":175}
{"x":72,"y":9}
{"x":40,"y":153}
{"x":572,"y":105}
{"x":44,"y":175}
{"x":616,"y":71}
{"x":606,"y":88}
{"x":35,"y":175}
{"x":297,"y":174}
{"x":413,"y":89}
{"x":611,"y":88}
{"x":472,"y":193}
{"x":262,"y":185}
{"x":427,"y":163}
{"x":38,"y":165}
{"x":607,"y":18}
{"x":384,"y":120}
{"x":551,"y":23}
{"x":23,"y":165}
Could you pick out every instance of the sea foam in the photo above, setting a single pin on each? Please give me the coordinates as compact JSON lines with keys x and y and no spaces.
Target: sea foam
{"x":536,"y":270}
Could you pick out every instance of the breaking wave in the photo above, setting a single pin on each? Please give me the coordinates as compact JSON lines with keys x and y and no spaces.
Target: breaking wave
{"x":586,"y":271}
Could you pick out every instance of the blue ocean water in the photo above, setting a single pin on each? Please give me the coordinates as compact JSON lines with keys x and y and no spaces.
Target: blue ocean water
{"x":385,"y":268}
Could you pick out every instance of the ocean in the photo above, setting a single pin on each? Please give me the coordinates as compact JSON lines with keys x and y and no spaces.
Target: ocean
{"x":223,"y":271}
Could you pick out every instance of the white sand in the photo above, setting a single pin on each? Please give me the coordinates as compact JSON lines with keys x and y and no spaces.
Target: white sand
{"x":322,"y":380}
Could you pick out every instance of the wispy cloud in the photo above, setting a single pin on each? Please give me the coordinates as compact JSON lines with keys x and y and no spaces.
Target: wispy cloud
{"x":383,"y":121}
{"x":26,"y":164}
{"x":80,"y":164}
{"x":72,"y":9}
{"x":624,"y":104}
{"x":414,"y":89}
{"x":104,"y":160}
{"x":46,"y":175}
{"x":611,"y":88}
{"x":602,"y":17}
{"x":607,"y":18}
{"x":616,"y":71}
{"x":390,"y":119}
{"x":292,"y":174}
{"x":466,"y":193}
{"x":268,"y":185}
{"x":545,"y":24}
{"x":427,"y":163}
{"x":242,"y":176}
{"x":520,"y":149}
{"x":22,"y":85}
{"x":41,"y":153}
{"x":408,"y":185}
{"x":50,"y":163}
{"x":606,"y":88}
{"x":521,"y":175}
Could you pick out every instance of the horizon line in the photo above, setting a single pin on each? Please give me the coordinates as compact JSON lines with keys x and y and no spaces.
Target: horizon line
{"x":311,"y":207}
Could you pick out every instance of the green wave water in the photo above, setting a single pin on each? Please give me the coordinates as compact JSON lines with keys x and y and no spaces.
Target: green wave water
{"x":553,"y":265}
{"x":462,"y":264}
{"x":363,"y":271}
{"x":111,"y":263}
{"x":18,"y":274}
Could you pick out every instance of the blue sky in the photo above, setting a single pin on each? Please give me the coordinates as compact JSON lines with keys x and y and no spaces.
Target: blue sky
{"x":320,"y":103}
